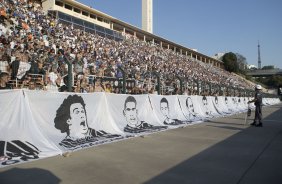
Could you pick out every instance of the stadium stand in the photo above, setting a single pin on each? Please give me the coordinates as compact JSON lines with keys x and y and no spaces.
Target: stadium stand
{"x":35,"y":49}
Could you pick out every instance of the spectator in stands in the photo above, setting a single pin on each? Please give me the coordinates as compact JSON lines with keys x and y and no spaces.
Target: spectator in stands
{"x":108,"y":88}
{"x":64,"y":87}
{"x":4,"y":65}
{"x":99,"y":87}
{"x":4,"y":79}
{"x":53,"y":80}
{"x":47,"y":41}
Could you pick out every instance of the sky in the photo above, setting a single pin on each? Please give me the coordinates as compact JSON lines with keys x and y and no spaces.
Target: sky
{"x":210,"y":26}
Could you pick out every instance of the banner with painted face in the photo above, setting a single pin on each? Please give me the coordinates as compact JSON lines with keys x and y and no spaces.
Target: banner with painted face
{"x":211,"y":100}
{"x":229,"y":104}
{"x":133,"y":114}
{"x":39,"y":124}
{"x":235,"y":101}
{"x":168,"y":110}
{"x":72,"y":121}
{"x":220,"y":105}
{"x":242,"y":104}
{"x":207,"y":107}
{"x":191,"y":108}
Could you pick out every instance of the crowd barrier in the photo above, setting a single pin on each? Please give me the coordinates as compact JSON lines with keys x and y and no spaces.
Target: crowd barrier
{"x":40,"y":124}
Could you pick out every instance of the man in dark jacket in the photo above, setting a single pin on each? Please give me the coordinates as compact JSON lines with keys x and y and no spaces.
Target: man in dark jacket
{"x":258,"y":103}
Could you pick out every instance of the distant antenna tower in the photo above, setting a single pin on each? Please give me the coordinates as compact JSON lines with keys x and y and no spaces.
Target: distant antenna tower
{"x":259,"y":61}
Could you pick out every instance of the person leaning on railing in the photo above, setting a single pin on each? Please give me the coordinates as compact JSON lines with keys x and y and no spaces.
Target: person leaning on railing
{"x":108,"y":88}
{"x":99,"y":87}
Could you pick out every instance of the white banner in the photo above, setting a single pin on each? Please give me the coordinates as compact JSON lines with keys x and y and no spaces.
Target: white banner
{"x":72,"y":121}
{"x":39,"y":124}
{"x":168,"y":110}
{"x":220,"y":105}
{"x":20,"y":139}
{"x":191,"y":108}
{"x":133,"y":114}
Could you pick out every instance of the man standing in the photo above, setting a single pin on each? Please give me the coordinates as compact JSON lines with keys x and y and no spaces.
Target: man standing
{"x":258,"y":103}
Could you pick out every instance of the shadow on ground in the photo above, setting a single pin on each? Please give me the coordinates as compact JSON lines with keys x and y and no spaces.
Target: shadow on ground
{"x":33,"y":176}
{"x":250,"y":156}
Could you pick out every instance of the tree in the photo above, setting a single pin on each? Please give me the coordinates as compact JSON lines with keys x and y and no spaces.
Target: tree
{"x":268,"y":67}
{"x":230,"y":62}
{"x":242,"y":62}
{"x":272,"y":81}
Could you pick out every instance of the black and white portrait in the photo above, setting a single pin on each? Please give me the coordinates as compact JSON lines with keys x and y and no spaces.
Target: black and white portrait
{"x":206,"y":106}
{"x":234,"y":101}
{"x":190,"y":108}
{"x":216,"y":100}
{"x":226,"y":100}
{"x":134,"y":125}
{"x":164,"y":107}
{"x":71,"y":119}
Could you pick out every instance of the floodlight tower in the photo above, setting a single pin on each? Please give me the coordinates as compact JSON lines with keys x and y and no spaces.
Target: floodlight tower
{"x":259,"y":61}
{"x":147,"y":15}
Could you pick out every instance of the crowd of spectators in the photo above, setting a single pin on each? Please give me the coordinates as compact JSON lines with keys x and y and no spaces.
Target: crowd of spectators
{"x":36,"y":49}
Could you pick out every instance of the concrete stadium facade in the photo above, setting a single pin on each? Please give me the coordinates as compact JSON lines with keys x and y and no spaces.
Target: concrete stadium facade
{"x":89,"y":14}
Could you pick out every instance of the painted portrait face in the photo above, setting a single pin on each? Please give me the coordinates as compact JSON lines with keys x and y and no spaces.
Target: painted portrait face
{"x":77,"y":123}
{"x":164,"y":109}
{"x":205,"y":103}
{"x":130,"y":113}
{"x":216,"y":100}
{"x":234,"y":101}
{"x":190,"y":106}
